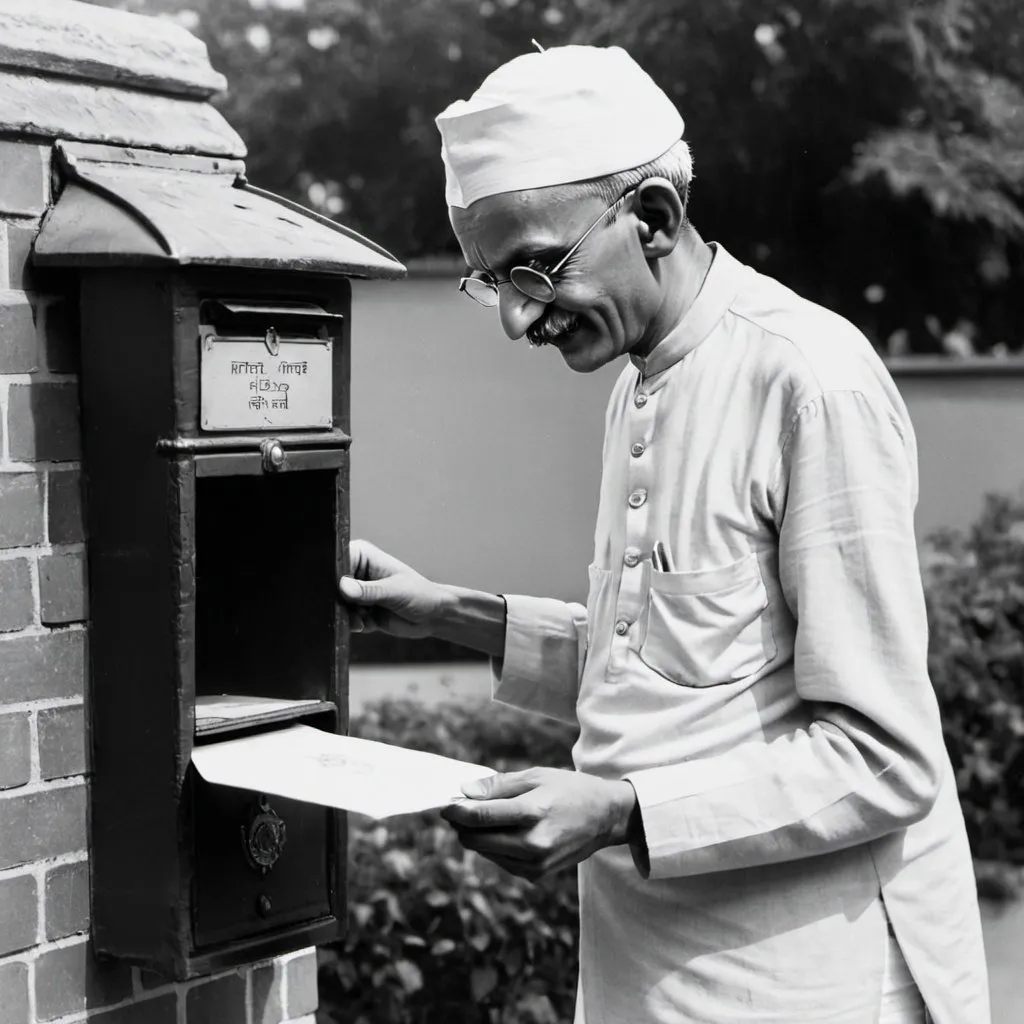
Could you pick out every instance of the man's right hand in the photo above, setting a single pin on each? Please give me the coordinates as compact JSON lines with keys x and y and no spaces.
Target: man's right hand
{"x":387,"y":595}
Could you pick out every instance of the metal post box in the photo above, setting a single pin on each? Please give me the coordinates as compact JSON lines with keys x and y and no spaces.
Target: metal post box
{"x":215,"y":331}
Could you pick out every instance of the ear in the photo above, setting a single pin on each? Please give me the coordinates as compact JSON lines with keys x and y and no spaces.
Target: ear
{"x":660,"y":213}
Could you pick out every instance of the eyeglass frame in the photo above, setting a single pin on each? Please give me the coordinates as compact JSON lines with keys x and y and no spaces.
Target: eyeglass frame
{"x":544,"y":275}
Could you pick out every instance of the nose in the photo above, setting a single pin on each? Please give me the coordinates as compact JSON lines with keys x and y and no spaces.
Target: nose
{"x":517,"y":311}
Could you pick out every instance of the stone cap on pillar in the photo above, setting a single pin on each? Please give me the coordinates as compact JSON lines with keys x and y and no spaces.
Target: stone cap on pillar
{"x":74,"y":70}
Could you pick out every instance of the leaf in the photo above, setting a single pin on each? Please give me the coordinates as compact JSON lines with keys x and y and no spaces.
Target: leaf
{"x":512,"y":958}
{"x":536,"y":1008}
{"x":442,"y":947}
{"x":409,"y":975}
{"x":479,"y":903}
{"x":482,"y":982}
{"x":400,"y":862}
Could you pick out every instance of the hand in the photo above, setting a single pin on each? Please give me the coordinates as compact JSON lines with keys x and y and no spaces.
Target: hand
{"x":541,"y":820}
{"x":386,"y":594}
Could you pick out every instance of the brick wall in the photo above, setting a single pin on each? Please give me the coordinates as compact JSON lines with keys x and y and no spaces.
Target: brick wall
{"x":47,"y":971}
{"x":139,"y":83}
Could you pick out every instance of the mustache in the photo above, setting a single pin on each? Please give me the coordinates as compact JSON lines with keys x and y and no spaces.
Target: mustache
{"x":554,"y":324}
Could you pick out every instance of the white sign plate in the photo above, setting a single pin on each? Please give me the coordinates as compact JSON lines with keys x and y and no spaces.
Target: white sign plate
{"x":243,"y":387}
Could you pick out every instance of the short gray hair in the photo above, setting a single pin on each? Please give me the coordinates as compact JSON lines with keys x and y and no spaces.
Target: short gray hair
{"x":675,"y":165}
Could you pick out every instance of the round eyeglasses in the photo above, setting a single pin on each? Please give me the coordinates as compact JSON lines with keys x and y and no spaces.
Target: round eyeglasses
{"x":535,"y":284}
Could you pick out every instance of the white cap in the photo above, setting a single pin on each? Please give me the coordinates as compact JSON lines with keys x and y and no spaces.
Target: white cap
{"x":567,"y":114}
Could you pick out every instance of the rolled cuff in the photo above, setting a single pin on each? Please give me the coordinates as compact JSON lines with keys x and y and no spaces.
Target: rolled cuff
{"x":545,"y":644}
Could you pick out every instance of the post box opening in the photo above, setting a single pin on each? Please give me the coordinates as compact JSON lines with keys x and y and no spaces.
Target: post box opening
{"x":266,"y":599}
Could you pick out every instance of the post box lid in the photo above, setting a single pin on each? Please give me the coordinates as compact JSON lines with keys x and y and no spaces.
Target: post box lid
{"x":122,"y":207}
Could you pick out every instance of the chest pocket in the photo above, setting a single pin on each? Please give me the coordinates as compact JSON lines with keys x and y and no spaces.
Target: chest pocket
{"x":708,"y":627}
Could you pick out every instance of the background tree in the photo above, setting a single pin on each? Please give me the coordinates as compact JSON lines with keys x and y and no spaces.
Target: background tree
{"x":870,"y":153}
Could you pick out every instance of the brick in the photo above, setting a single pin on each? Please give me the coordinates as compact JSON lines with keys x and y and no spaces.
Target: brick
{"x":70,"y":979}
{"x":267,"y":1006}
{"x":19,"y":348}
{"x":161,"y":1010}
{"x":16,"y":602}
{"x":43,"y":667}
{"x":66,"y":521}
{"x":43,"y":824}
{"x":19,"y":914}
{"x":21,"y":510}
{"x":67,"y":900}
{"x":14,"y":992}
{"x":42,"y":422}
{"x":303,"y":995}
{"x":15,"y":755}
{"x":60,"y":336}
{"x":24,"y":178}
{"x":221,"y":1000}
{"x":19,"y":254}
{"x":62,"y":588}
{"x":61,"y":734}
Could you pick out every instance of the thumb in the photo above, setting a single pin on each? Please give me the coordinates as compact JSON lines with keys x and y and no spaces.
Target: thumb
{"x":351,"y":588}
{"x":365,"y":591}
{"x":499,"y":785}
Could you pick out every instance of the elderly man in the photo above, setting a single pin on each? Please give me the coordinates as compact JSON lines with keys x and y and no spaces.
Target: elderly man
{"x":763,"y":812}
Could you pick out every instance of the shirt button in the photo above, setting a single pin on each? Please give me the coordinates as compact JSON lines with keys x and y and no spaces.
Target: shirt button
{"x":637,"y":449}
{"x":639,"y":399}
{"x":622,"y":627}
{"x":637,"y":498}
{"x":632,"y":558}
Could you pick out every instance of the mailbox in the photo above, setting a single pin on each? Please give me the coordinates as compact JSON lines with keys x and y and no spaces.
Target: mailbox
{"x":215,"y":324}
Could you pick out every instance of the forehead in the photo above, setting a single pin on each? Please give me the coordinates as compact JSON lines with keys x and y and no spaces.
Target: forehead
{"x":498,"y":230}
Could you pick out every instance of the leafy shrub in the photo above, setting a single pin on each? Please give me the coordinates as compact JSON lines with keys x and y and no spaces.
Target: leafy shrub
{"x":974,"y":584}
{"x":436,"y":933}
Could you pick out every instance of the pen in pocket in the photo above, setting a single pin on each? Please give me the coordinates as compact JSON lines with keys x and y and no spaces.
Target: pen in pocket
{"x":660,"y":559}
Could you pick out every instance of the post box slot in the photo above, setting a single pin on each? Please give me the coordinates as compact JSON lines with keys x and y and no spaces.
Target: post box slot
{"x":250,"y":318}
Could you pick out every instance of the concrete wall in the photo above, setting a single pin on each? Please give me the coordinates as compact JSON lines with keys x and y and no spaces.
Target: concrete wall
{"x":477,"y":459}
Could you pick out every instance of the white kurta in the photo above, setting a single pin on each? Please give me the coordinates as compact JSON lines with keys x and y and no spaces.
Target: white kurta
{"x":768,"y":697}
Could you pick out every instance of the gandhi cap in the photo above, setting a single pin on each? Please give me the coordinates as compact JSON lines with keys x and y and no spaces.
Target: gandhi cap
{"x":567,"y":114}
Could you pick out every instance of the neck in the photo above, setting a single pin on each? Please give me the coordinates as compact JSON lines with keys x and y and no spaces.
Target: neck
{"x":680,"y":277}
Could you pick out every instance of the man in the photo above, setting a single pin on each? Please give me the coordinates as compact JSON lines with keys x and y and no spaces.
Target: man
{"x":763,"y":812}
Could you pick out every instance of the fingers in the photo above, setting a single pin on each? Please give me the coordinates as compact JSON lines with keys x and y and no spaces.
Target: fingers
{"x":506,"y":845}
{"x":484,"y":814}
{"x":368,"y":562}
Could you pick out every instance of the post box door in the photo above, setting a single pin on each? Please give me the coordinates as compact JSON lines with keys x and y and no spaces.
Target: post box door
{"x":261,"y":863}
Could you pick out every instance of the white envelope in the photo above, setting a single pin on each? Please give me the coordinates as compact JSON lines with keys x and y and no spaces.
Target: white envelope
{"x":375,"y":779}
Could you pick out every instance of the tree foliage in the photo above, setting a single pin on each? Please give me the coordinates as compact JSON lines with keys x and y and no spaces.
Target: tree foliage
{"x":870,"y":153}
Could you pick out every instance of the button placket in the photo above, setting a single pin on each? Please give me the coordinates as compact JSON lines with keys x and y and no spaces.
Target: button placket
{"x":638,"y":483}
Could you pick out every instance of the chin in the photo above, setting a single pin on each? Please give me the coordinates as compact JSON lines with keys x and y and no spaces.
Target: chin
{"x":585,"y":353}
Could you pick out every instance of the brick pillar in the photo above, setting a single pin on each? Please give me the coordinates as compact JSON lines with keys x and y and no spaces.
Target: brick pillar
{"x":47,"y":970}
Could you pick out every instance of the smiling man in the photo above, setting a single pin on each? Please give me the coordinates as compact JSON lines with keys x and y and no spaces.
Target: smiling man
{"x":763,"y":812}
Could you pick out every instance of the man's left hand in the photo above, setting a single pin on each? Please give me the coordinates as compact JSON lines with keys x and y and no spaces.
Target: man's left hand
{"x":540,"y":820}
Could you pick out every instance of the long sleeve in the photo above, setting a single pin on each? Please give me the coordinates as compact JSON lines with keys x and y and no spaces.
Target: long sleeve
{"x":871,"y":760}
{"x":545,"y":646}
